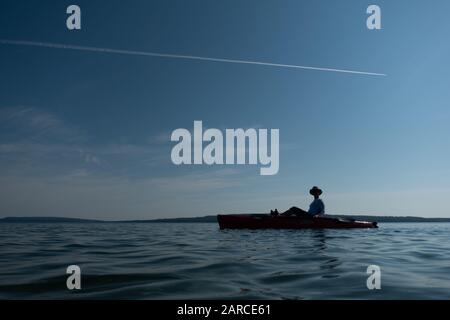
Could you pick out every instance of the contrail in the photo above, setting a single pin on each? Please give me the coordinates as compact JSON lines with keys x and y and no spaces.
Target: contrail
{"x":179,"y":56}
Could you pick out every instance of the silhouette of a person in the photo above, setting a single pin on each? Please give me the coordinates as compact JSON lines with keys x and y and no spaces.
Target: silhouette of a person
{"x":316,"y":208}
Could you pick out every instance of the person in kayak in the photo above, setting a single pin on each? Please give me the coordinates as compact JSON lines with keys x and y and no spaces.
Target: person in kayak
{"x":316,"y":208}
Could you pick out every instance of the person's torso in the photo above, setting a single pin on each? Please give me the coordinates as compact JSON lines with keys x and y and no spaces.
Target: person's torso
{"x":317,"y":207}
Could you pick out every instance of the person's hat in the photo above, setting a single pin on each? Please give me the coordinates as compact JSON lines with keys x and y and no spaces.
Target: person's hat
{"x":315,"y":191}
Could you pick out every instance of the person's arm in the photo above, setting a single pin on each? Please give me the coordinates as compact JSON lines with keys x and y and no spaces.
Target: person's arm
{"x":314,"y":208}
{"x":322,"y":208}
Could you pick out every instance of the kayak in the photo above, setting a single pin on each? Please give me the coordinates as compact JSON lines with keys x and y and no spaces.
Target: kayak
{"x":265,"y":221}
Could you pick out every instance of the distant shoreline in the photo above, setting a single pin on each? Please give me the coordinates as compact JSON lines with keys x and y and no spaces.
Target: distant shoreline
{"x":207,"y":219}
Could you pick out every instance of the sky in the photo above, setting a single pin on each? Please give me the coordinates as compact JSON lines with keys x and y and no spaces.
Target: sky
{"x":87,"y":134}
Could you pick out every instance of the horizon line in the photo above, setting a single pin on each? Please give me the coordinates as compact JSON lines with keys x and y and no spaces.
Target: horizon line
{"x":76,"y":219}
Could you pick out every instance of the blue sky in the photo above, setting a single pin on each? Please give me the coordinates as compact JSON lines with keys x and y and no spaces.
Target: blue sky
{"x":85,"y":134}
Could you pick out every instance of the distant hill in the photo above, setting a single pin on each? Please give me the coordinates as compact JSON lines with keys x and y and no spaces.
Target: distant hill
{"x":207,"y":219}
{"x":47,"y":220}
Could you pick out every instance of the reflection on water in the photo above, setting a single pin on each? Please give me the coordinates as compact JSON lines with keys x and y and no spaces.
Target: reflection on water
{"x":172,"y":261}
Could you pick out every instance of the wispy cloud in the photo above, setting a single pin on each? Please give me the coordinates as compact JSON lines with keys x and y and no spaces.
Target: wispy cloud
{"x":35,"y":140}
{"x":205,"y":181}
{"x":37,"y":125}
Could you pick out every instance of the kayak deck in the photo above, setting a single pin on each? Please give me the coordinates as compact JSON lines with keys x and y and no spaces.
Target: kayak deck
{"x":261,"y":221}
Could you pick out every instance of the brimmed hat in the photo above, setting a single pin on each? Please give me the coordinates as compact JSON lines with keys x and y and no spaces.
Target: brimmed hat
{"x":315,"y":190}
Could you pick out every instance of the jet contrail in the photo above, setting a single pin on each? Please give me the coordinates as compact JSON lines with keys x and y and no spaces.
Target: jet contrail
{"x":178,"y":56}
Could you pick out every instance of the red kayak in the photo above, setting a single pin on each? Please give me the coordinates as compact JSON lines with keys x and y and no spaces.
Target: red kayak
{"x":265,"y":221}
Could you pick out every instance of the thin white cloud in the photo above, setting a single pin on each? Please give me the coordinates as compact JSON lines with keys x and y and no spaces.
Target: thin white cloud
{"x":185,"y":57}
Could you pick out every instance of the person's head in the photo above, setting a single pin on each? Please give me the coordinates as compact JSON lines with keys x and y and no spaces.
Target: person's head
{"x":315,"y":192}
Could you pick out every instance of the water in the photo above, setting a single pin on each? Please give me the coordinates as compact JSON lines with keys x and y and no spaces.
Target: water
{"x":198,"y":261}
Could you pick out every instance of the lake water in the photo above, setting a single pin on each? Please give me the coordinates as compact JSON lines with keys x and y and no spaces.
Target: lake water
{"x":198,"y":261}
